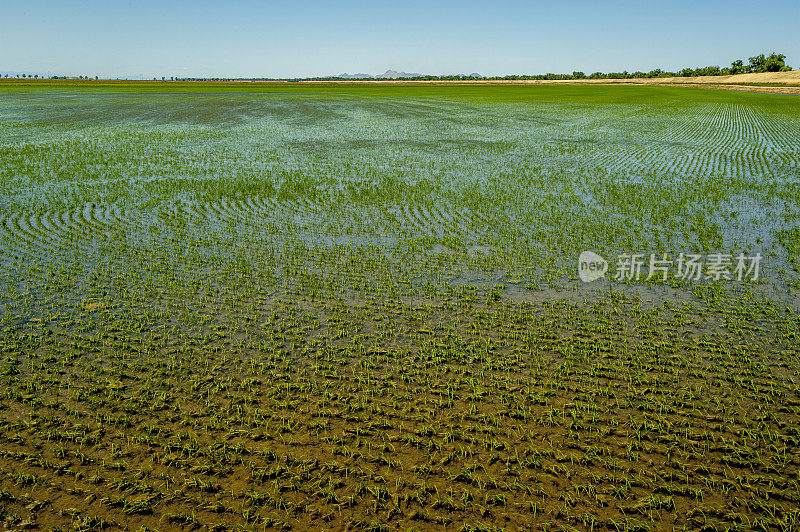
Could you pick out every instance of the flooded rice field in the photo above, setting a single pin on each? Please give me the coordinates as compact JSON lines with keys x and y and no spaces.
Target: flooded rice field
{"x":333,"y":307}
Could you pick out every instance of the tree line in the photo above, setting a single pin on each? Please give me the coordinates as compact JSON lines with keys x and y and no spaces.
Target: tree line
{"x":773,"y":62}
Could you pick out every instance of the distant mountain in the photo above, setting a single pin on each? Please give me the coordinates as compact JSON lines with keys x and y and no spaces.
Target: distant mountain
{"x":354,"y":76}
{"x":394,"y":74}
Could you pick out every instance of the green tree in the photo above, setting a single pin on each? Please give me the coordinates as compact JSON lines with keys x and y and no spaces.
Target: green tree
{"x":738,"y":67}
{"x":775,"y":63}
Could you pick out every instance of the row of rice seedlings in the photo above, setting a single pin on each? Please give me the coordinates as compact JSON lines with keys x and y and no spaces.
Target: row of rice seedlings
{"x":228,"y":353}
{"x":474,"y":413}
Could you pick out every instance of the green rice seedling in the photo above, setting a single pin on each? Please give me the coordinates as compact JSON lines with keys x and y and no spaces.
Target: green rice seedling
{"x":306,"y":306}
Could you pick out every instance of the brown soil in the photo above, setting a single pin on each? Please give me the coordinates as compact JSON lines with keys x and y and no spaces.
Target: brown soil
{"x":456,"y":414}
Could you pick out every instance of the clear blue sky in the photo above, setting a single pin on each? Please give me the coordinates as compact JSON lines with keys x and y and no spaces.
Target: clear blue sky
{"x":246,"y":38}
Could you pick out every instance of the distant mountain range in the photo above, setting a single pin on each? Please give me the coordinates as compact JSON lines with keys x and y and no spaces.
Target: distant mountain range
{"x":391,"y":74}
